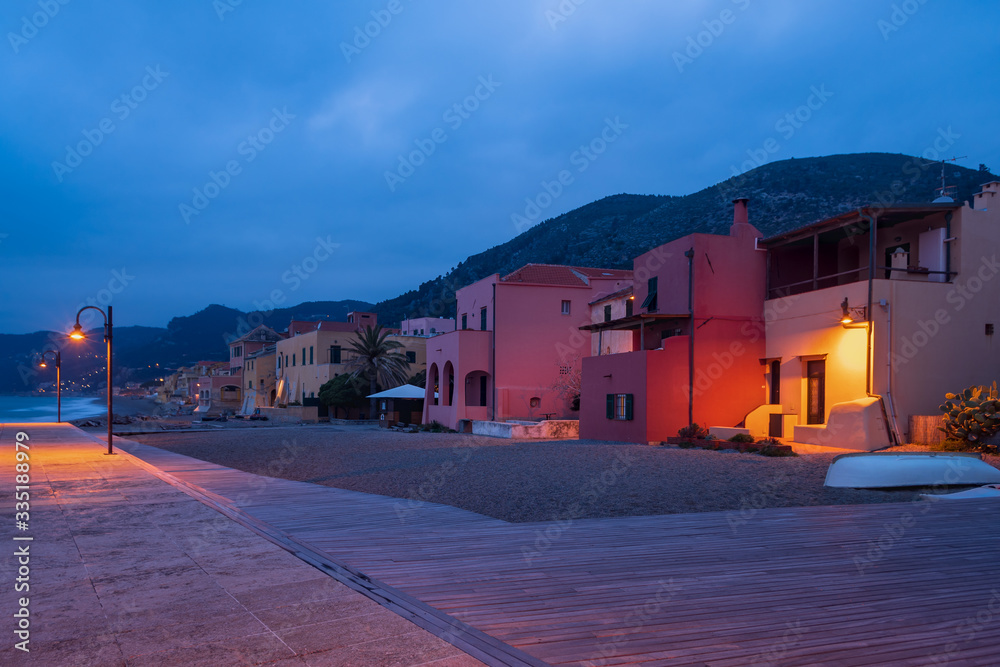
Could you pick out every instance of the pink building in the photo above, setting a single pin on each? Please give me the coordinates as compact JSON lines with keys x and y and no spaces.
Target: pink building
{"x":427,"y":326}
{"x":517,"y":346}
{"x":691,"y":355}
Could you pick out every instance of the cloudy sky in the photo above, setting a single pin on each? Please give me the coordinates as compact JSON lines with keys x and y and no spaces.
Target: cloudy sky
{"x":164,"y":156}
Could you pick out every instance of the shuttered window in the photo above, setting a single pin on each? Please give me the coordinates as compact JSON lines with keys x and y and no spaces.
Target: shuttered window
{"x":620,"y":406}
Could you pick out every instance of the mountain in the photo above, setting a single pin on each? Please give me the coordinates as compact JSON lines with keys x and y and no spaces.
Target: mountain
{"x":606,"y":233}
{"x":143,"y":353}
{"x":783,"y":195}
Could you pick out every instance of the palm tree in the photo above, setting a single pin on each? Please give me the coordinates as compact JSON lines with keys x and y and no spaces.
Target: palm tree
{"x":378,"y":359}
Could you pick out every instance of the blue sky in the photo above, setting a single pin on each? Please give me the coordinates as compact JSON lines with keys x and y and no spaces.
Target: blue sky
{"x":204,"y":150}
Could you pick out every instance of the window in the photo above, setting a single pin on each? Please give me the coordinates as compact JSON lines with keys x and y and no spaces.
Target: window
{"x":607,"y":313}
{"x":303,"y":356}
{"x":465,"y":321}
{"x":433,"y":331}
{"x":629,"y":304}
{"x":535,"y":402}
{"x":310,"y":355}
{"x":238,"y":351}
{"x":334,"y":354}
{"x":411,"y":356}
{"x":619,"y":406}
{"x":250,"y":384}
{"x":279,"y":361}
{"x":650,"y":303}
{"x":482,"y":319}
{"x":293,"y":359}
{"x":565,"y":307}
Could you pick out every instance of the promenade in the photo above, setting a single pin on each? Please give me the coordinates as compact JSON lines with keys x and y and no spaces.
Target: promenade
{"x":890,"y":584}
{"x":126,"y":569}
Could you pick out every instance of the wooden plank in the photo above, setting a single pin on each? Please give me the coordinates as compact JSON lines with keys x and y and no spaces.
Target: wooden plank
{"x":593,"y":594}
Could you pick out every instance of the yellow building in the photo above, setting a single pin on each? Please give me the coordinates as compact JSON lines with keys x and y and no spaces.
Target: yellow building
{"x":873,"y":315}
{"x":317,"y":352}
{"x":260,"y":377}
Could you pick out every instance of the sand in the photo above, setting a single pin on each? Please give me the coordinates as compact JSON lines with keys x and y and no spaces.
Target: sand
{"x":525,"y":480}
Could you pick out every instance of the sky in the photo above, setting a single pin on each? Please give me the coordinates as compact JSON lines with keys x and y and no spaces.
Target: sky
{"x":159,"y":157}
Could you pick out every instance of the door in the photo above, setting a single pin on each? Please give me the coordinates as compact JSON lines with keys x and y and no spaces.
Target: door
{"x":816,"y":392}
{"x":482,"y":390}
{"x":774,"y":397}
{"x":774,"y":426}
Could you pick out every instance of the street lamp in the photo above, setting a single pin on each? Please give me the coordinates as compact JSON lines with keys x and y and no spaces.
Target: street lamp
{"x":44,"y":364}
{"x":78,"y":334}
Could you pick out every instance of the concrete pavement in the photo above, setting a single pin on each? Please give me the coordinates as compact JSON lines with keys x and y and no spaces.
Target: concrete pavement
{"x":125,"y":569}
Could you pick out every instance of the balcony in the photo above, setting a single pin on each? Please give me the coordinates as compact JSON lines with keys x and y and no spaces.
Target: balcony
{"x":909,"y":243}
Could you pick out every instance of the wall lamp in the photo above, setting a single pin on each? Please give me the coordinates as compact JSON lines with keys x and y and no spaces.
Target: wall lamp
{"x":853,"y":315}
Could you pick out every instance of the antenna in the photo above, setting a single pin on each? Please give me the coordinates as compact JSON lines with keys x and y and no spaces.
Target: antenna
{"x":946,"y":193}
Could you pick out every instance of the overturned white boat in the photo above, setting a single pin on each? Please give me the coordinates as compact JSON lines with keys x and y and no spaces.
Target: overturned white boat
{"x":987,"y":491}
{"x":880,"y":470}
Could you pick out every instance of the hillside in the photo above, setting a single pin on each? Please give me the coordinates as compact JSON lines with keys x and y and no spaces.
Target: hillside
{"x":201,"y":336}
{"x":610,"y":232}
{"x":606,"y":233}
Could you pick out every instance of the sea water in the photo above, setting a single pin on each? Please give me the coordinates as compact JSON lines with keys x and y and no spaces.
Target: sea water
{"x":43,"y":408}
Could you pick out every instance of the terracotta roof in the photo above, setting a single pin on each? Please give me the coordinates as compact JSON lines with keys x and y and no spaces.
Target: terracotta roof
{"x":558,"y":274}
{"x":261,"y":334}
{"x":301,"y":327}
{"x":614,"y":295}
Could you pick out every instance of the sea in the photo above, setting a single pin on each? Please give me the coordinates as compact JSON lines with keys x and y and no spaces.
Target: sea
{"x":43,"y":408}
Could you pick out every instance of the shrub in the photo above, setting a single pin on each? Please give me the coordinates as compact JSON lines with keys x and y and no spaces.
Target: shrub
{"x":686,"y":444}
{"x":436,"y":427}
{"x":771,"y":450}
{"x":773,"y":447}
{"x":742,"y":438}
{"x":972,"y":416}
{"x":694,"y":431}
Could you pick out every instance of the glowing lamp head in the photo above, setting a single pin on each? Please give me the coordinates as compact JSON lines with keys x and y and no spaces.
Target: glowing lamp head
{"x":43,"y":364}
{"x":77,"y":333}
{"x":846,"y":318}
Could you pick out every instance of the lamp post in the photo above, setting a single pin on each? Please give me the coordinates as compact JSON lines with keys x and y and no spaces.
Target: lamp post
{"x":78,"y":334}
{"x":44,"y":364}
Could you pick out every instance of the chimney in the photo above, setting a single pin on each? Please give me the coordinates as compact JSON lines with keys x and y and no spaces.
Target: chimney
{"x":741,"y":226}
{"x":740,"y":211}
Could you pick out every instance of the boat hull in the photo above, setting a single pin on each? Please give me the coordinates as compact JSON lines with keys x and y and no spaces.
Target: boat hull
{"x":887,"y":470}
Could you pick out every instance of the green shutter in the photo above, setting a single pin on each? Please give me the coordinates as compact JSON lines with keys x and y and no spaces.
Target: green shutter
{"x":611,"y":406}
{"x":628,"y":406}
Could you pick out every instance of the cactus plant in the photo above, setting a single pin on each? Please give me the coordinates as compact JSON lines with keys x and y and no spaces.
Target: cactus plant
{"x":972,"y":415}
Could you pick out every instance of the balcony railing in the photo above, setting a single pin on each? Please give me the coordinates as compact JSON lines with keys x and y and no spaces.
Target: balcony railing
{"x":823,"y":281}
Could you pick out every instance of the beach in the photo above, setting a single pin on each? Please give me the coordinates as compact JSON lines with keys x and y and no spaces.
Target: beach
{"x":522,"y":481}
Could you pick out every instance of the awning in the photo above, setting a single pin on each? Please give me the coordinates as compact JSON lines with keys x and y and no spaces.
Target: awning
{"x":633,"y":321}
{"x":402,"y":391}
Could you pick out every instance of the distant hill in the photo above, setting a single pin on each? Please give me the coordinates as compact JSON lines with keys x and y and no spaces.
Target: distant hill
{"x":608,"y":233}
{"x":201,"y":336}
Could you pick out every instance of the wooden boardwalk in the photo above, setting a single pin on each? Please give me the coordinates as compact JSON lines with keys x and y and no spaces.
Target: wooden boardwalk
{"x":892,"y":584}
